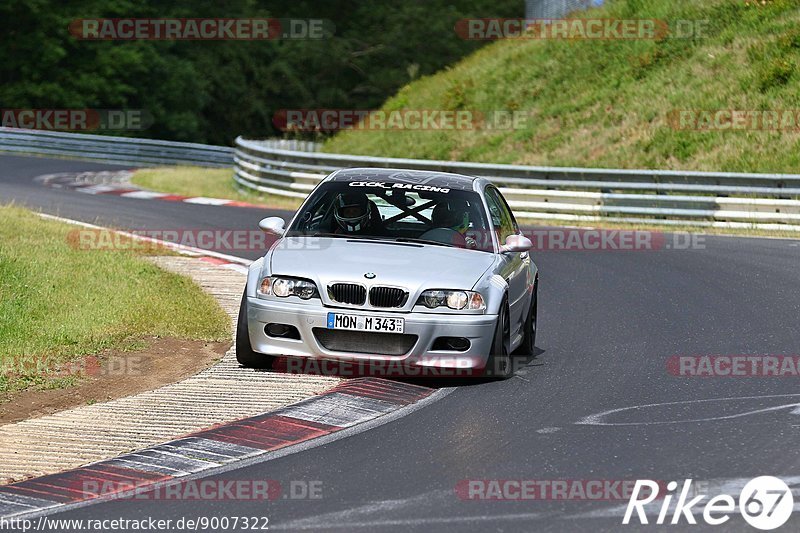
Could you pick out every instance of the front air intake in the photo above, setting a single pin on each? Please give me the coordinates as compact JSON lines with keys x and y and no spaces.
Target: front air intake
{"x":347,"y":293}
{"x":387,"y":297}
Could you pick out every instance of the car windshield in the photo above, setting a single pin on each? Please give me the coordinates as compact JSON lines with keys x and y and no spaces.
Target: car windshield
{"x":437,"y":216}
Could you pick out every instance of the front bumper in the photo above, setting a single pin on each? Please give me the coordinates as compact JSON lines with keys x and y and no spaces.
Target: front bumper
{"x":427,"y":327}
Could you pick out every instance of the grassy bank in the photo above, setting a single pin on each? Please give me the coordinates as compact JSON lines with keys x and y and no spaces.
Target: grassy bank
{"x":208,"y":182}
{"x":608,"y":103}
{"x":59,"y":303}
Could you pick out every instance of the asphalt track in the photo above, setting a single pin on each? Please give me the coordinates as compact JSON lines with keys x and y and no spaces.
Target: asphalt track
{"x":609,"y":321}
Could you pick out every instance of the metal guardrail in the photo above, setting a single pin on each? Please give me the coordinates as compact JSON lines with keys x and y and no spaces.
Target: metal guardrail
{"x":720,"y":199}
{"x":107,"y":149}
{"x":128,"y":150}
{"x":293,"y":168}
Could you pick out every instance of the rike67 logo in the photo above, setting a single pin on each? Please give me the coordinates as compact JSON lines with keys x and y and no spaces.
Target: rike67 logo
{"x":765,"y":503}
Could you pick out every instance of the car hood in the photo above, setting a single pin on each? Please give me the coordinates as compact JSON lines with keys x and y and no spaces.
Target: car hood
{"x":412,"y":266}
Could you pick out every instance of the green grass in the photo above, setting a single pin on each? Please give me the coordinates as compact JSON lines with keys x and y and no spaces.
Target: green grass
{"x":607,"y":103}
{"x":59,"y":303}
{"x":208,"y":182}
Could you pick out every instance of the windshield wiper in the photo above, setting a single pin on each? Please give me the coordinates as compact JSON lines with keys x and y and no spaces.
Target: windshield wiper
{"x":378,"y":238}
{"x":424,"y":241}
{"x":332,"y":235}
{"x":346,"y":236}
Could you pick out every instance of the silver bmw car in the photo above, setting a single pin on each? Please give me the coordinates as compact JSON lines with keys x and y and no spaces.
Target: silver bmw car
{"x":424,"y":270}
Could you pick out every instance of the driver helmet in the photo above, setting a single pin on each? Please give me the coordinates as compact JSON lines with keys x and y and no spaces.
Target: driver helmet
{"x":352,"y":211}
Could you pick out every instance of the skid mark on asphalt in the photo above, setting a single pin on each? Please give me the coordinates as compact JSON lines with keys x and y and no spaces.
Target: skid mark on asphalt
{"x":319,"y":526}
{"x":600,"y":419}
{"x":337,"y":518}
{"x":373,"y":514}
{"x":367,"y":515}
{"x":546,"y":431}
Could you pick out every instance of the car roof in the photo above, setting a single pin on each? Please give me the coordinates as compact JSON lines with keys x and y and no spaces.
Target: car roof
{"x":413,"y":177}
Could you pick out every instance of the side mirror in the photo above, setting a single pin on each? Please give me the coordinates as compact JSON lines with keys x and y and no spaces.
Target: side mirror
{"x":272,"y":225}
{"x":516,"y":243}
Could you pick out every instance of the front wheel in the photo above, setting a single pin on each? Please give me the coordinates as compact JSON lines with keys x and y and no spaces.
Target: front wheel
{"x":499,"y":366}
{"x":244,"y":351}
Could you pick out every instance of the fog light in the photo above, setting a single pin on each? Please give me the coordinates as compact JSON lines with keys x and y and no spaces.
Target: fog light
{"x":458,"y":344}
{"x":277,"y":330}
{"x":451,"y":344}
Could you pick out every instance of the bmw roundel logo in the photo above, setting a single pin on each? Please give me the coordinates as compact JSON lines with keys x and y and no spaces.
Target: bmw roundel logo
{"x":369,"y":275}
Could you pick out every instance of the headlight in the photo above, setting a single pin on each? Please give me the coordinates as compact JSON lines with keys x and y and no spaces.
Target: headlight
{"x":457,"y":300}
{"x":453,"y":299}
{"x":285,"y":287}
{"x":282,"y":287}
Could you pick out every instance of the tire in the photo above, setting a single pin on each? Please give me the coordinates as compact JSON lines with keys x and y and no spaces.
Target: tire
{"x":244,"y":351}
{"x":499,"y":365}
{"x":529,"y":340}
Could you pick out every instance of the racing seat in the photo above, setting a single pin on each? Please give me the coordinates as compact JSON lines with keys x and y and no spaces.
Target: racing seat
{"x":442,"y":218}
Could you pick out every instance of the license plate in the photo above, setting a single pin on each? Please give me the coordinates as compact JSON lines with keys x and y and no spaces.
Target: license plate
{"x":365,"y":323}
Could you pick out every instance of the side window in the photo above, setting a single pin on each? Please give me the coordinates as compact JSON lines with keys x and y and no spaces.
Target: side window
{"x":314,"y":215}
{"x":502,"y":220}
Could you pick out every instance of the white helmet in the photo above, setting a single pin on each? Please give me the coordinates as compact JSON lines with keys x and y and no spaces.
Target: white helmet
{"x":352,"y":211}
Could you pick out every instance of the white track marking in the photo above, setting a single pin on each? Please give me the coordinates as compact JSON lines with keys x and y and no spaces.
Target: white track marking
{"x":146,"y":195}
{"x":180,"y":248}
{"x":97,"y":189}
{"x":206,"y":201}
